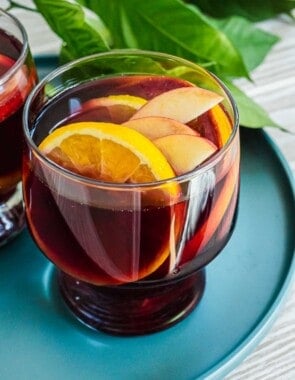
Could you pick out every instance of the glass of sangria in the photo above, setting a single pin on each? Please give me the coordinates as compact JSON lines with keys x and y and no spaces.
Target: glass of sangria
{"x":17,"y":78}
{"x":131,"y":181}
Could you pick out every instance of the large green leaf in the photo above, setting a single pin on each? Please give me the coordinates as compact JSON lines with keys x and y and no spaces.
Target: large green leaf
{"x":252,"y":43}
{"x":230,"y":48}
{"x":255,"y":10}
{"x":81,"y":29}
{"x":251,"y":114}
{"x":169,"y":26}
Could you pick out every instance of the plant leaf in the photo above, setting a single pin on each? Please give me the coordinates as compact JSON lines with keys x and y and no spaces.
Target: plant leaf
{"x":252,"y":43}
{"x":253,"y":10}
{"x":65,"y":54}
{"x":226,"y":46}
{"x":81,"y":29}
{"x":251,"y":114}
{"x":148,"y":25}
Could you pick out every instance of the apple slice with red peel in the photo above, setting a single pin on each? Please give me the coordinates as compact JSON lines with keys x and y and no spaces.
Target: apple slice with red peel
{"x":227,"y":196}
{"x":154,"y":127}
{"x":182,"y":104}
{"x":221,"y":205}
{"x":214,"y":125}
{"x":185,"y":152}
{"x":112,"y":108}
{"x":148,"y":86}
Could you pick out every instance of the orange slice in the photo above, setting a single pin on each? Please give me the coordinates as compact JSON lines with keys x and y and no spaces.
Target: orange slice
{"x":134,"y":102}
{"x":114,"y":153}
{"x":221,"y":123}
{"x":214,"y":124}
{"x":107,"y":152}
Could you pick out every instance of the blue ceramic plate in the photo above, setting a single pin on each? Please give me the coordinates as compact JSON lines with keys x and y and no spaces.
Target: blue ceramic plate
{"x":246,"y":285}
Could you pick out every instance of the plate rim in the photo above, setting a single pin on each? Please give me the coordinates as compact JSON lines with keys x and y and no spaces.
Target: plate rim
{"x":247,"y":345}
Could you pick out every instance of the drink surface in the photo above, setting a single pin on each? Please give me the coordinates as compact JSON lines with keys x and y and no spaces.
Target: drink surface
{"x":12,"y":96}
{"x":101,"y":236}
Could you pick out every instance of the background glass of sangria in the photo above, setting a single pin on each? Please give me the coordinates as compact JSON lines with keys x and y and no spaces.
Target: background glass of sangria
{"x":131,"y":180}
{"x":17,"y":77}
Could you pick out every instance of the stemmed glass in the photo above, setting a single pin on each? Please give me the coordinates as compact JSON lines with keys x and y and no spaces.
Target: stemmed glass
{"x":131,"y":257}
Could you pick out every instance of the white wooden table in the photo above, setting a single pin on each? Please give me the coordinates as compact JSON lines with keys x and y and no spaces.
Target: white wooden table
{"x":274,"y":89}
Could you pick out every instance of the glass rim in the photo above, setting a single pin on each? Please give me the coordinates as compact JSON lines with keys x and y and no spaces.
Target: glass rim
{"x":24,"y":51}
{"x":199,"y":170}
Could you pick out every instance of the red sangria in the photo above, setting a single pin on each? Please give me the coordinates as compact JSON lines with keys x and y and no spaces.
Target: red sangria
{"x":17,"y":77}
{"x":131,"y":180}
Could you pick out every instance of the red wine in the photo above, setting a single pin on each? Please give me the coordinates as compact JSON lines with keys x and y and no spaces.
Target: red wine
{"x":102,"y":243}
{"x":13,"y":93}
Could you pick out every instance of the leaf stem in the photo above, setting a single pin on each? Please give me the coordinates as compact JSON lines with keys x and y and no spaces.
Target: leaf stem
{"x":14,"y":4}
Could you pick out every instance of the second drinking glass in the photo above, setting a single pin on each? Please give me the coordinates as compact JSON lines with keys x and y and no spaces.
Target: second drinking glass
{"x":17,"y":78}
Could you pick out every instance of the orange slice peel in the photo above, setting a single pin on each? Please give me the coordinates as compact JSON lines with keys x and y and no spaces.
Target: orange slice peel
{"x":107,"y":152}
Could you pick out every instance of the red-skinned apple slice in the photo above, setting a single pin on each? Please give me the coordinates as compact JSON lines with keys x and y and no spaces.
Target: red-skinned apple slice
{"x":213,"y":124}
{"x":182,"y":104}
{"x":185,"y":152}
{"x":112,"y":108}
{"x":220,"y":207}
{"x":227,"y":220}
{"x":155,"y":127}
{"x":221,"y":204}
{"x":148,"y":86}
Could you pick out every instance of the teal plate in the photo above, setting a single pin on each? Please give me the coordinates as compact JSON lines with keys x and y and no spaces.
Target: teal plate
{"x":246,"y":286}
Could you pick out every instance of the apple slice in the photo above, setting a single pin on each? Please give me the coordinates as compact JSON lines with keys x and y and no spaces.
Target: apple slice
{"x":214,"y":125}
{"x":220,"y":207}
{"x":112,"y":108}
{"x":148,"y":86}
{"x":154,"y":127}
{"x":185,"y":152}
{"x":182,"y":104}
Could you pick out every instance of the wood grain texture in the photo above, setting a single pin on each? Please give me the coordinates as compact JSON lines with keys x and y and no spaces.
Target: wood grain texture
{"x":274,"y":88}
{"x":273,"y":85}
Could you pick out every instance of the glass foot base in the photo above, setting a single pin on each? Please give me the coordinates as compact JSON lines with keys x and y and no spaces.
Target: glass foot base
{"x":12,"y":216}
{"x":133,"y":309}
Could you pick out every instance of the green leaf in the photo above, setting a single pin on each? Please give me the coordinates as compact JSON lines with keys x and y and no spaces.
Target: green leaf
{"x":169,"y":26}
{"x":252,"y":43}
{"x":65,"y":54}
{"x":229,"y":48}
{"x":251,"y":114}
{"x":115,"y":64}
{"x":109,"y":11}
{"x":81,"y":29}
{"x":255,"y":10}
